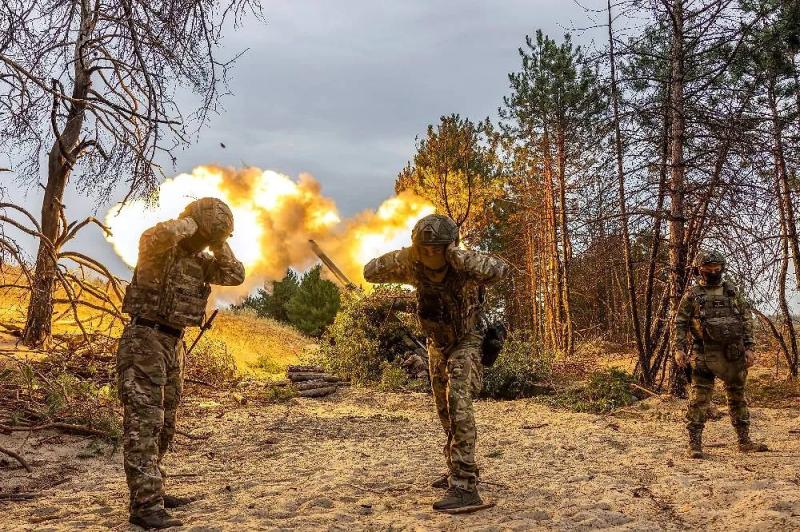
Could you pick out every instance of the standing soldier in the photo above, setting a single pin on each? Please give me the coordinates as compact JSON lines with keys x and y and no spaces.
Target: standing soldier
{"x":721,"y":325}
{"x":169,"y":292}
{"x":449,"y":283}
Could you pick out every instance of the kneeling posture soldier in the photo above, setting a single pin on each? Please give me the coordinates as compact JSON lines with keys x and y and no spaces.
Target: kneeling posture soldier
{"x":169,"y":292}
{"x":719,"y":320}
{"x":449,"y":283}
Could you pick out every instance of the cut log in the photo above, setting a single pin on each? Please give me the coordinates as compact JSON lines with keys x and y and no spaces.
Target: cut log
{"x":317,"y":392}
{"x":305,"y":369}
{"x":298,"y":377}
{"x":310,"y":385}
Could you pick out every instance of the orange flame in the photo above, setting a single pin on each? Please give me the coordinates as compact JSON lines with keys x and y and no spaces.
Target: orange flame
{"x":275,"y":217}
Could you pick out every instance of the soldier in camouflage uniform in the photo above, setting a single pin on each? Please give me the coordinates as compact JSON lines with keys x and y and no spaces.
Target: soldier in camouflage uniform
{"x":720,"y":323}
{"x":169,"y":292}
{"x":449,"y":283}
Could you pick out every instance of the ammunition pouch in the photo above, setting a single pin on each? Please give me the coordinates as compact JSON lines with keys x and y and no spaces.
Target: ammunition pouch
{"x":493,"y":341}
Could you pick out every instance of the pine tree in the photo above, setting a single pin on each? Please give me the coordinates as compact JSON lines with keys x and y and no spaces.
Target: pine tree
{"x":314,"y":304}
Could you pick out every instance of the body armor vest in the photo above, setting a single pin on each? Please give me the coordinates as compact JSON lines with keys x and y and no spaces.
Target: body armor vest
{"x":447,"y":310}
{"x":719,"y":319}
{"x":176,"y":295}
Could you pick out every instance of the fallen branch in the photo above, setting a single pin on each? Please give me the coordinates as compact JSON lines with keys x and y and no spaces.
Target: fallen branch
{"x":298,"y":377}
{"x":317,"y":392}
{"x":198,"y":381}
{"x":17,"y":496}
{"x":17,"y":457}
{"x":66,"y":427}
{"x":651,"y":393}
{"x":192,"y":436}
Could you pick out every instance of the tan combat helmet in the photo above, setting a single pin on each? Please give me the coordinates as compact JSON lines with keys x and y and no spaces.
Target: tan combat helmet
{"x":435,"y":229}
{"x":213,"y":216}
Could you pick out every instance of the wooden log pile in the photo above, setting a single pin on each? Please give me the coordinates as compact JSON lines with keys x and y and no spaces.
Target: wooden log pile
{"x":312,"y":381}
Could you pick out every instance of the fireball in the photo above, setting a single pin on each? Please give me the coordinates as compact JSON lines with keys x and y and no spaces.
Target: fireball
{"x":274,"y":217}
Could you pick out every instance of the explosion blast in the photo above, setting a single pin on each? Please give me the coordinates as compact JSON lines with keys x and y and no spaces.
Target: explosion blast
{"x":274,"y":219}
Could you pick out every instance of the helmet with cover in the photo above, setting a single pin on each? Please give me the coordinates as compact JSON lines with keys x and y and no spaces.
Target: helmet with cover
{"x":435,"y":230}
{"x":213,"y":216}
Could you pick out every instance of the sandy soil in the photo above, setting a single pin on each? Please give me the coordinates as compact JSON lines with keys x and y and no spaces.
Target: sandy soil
{"x":362,"y":460}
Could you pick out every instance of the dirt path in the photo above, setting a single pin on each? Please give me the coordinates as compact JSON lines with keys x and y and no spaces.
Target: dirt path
{"x":363,"y":460}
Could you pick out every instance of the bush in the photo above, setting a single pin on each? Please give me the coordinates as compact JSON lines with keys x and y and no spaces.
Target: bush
{"x":393,"y":378}
{"x":363,"y":335}
{"x":271,"y":303}
{"x":606,"y":390}
{"x":212,"y":363}
{"x":519,"y":371}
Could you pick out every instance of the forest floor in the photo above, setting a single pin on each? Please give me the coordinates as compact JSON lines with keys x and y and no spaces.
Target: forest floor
{"x":363,"y":460}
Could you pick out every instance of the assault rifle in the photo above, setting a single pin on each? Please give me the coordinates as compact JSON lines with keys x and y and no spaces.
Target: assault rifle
{"x":351,"y":287}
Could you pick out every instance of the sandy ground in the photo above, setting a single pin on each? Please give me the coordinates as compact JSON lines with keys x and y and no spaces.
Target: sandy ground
{"x":362,"y":460}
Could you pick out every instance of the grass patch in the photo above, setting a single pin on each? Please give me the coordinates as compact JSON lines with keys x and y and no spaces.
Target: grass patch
{"x":604,"y":391}
{"x":522,"y":370}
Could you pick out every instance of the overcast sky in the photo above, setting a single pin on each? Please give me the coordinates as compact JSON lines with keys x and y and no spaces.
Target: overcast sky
{"x":341,"y":89}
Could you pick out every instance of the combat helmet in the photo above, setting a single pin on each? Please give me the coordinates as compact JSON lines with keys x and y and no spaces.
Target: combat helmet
{"x":213,"y":216}
{"x":711,"y":256}
{"x":435,"y":229}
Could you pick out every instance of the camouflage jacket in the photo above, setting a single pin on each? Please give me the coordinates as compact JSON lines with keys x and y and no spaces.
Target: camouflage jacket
{"x":691,"y":318}
{"x":171,"y":284}
{"x":450,"y":309}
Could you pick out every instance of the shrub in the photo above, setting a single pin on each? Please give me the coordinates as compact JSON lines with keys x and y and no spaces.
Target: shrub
{"x":604,"y":391}
{"x":271,"y":303}
{"x":363,"y":335}
{"x":393,"y":378}
{"x":519,"y":371}
{"x":211,"y":362}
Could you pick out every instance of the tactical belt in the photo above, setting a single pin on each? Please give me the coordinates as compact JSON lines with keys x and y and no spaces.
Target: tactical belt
{"x":166,"y":329}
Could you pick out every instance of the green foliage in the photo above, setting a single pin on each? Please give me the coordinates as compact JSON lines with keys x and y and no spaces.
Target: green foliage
{"x":393,"y":378}
{"x":272,"y":303}
{"x":309,"y":302}
{"x":520,"y":371}
{"x":606,"y":390}
{"x":211,"y":362}
{"x":363,"y":336}
{"x":315,"y":303}
{"x":456,"y":168}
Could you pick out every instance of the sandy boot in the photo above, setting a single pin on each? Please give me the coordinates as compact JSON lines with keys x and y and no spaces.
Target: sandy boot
{"x":746,"y":445}
{"x":456,"y":498}
{"x":156,"y":519}
{"x":171,"y":501}
{"x":695,"y":449}
{"x":443,"y":482}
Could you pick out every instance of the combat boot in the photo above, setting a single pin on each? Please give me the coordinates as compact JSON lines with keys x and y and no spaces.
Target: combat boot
{"x":456,"y":498}
{"x":171,"y":501}
{"x":443,"y":482}
{"x":746,"y":445}
{"x":156,"y":519}
{"x":695,"y":444}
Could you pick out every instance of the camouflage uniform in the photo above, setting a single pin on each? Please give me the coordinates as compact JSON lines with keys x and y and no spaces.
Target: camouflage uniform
{"x":169,"y":291}
{"x":448,"y":312}
{"x":711,"y":359}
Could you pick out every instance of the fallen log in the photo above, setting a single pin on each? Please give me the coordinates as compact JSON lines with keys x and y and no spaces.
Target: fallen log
{"x":299,"y":377}
{"x":317,"y":392}
{"x":304,"y":369}
{"x":311,"y":385}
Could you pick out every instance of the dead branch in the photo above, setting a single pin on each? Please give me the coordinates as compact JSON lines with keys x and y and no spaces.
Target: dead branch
{"x":17,"y":457}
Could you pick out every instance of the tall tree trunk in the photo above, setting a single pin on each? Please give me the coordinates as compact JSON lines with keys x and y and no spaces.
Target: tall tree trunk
{"x":61,"y":159}
{"x":556,"y":279}
{"x":787,"y":225}
{"x":566,"y":245}
{"x":677,"y":222}
{"x":644,"y":361}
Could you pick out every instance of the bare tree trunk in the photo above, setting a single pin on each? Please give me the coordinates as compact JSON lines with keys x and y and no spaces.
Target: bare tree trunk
{"x":566,"y":245}
{"x":787,"y":226}
{"x":555,"y":267}
{"x":677,"y":222}
{"x":644,"y":362}
{"x":61,"y":158}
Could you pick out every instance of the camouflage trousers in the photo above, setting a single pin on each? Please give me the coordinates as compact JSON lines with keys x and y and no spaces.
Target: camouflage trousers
{"x":456,"y":377}
{"x":706,"y":368}
{"x":150,"y":381}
